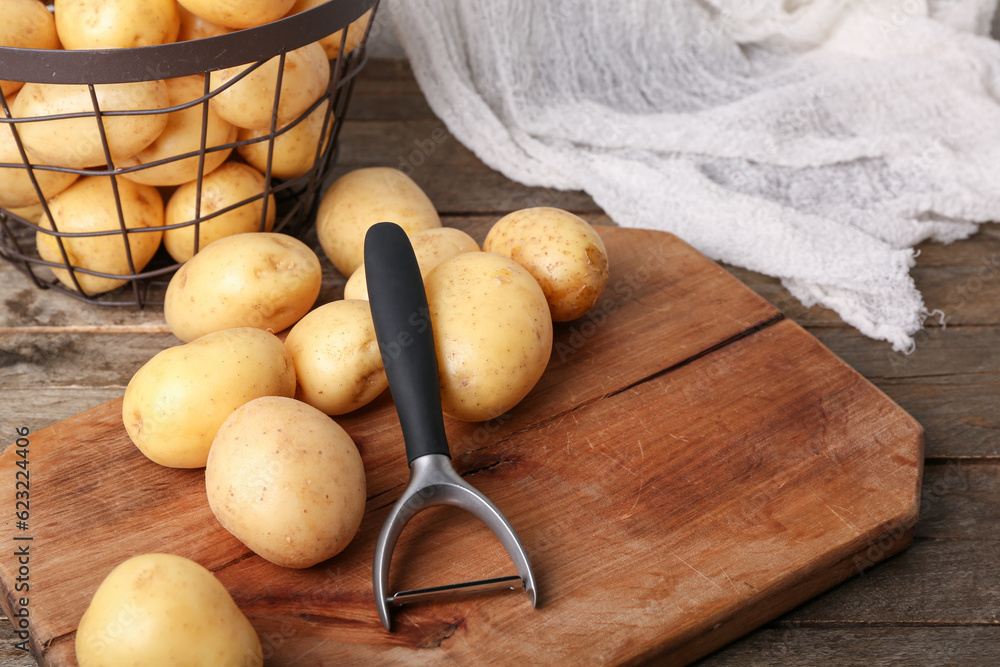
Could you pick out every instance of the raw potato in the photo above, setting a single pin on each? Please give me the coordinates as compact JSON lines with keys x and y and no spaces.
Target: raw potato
{"x":336,"y":355}
{"x":89,"y":206}
{"x":162,"y":609}
{"x":195,"y":27}
{"x":100,"y":24}
{"x":16,"y":188}
{"x":431,"y":247}
{"x":76,"y":142}
{"x":561,"y":250}
{"x":361,"y":198}
{"x":331,"y":43}
{"x":183,"y":135}
{"x":238,"y":14}
{"x":227,"y":186}
{"x":295,"y":148}
{"x":176,"y":402}
{"x":26,"y":24}
{"x":31,"y":213}
{"x":249,"y":102}
{"x":264,"y":280}
{"x":492,"y":332}
{"x":287,"y":481}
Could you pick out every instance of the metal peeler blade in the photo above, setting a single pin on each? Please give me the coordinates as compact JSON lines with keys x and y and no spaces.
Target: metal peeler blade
{"x":403,"y":329}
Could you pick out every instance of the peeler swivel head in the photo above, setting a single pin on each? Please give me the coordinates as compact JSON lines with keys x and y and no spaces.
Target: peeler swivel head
{"x":433,"y":481}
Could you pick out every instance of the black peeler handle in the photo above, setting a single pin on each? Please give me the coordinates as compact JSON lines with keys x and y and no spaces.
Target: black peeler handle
{"x":403,"y":329}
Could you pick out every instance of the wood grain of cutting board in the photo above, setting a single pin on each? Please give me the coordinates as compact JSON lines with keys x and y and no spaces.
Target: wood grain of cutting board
{"x":690,"y":466}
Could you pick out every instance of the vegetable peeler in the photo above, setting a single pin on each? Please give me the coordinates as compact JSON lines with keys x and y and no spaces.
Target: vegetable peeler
{"x":403,"y":329}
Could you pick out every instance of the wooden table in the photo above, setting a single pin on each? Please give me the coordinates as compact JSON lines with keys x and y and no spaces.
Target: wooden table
{"x":935,"y":603}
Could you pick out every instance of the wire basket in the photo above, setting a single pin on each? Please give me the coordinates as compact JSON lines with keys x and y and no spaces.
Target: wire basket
{"x":287,"y":203}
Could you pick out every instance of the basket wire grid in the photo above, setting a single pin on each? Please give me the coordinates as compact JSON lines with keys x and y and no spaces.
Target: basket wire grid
{"x":296,"y":198}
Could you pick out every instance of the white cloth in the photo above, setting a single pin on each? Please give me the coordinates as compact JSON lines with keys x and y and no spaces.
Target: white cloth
{"x":815,"y":141}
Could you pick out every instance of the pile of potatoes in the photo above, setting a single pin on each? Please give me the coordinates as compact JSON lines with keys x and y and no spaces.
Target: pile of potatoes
{"x":250,"y":392}
{"x":156,"y":155}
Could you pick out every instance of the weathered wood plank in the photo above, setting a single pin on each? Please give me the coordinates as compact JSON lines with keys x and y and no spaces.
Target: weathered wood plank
{"x":953,"y":350}
{"x":454,"y":178}
{"x":979,"y":250}
{"x":386,"y":90}
{"x":47,"y":359}
{"x":930,"y":582}
{"x":789,"y":643}
{"x":959,"y":500}
{"x":958,"y":412}
{"x":39,"y":407}
{"x":950,"y":383}
{"x":10,"y":655}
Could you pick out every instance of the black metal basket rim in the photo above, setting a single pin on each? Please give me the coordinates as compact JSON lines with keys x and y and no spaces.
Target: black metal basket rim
{"x":145,"y":63}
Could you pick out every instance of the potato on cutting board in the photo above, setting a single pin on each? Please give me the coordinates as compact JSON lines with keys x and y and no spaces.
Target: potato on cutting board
{"x":160,"y":609}
{"x":177,"y":400}
{"x":561,"y":250}
{"x":431,"y":247}
{"x":286,"y":480}
{"x":337,"y":362}
{"x":492,"y":331}
{"x":361,"y":198}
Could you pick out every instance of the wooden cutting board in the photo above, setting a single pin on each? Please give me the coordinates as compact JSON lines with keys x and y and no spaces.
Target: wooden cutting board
{"x":690,"y":466}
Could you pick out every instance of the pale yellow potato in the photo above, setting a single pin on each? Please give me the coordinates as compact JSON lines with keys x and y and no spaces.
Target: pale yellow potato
{"x":492,"y":332}
{"x":264,"y":280}
{"x":249,"y":102}
{"x":431,"y":247}
{"x":228,"y":185}
{"x":100,"y":24}
{"x":160,"y":610}
{"x":176,"y":402}
{"x":364,"y":197}
{"x":16,"y":188}
{"x":561,"y":250}
{"x":331,"y":43}
{"x":89,"y":206}
{"x":287,"y":481}
{"x":31,"y":213}
{"x":295,"y":148}
{"x":76,"y":142}
{"x":337,"y":361}
{"x":26,"y":24}
{"x":182,"y":135}
{"x":195,"y":27}
{"x":238,"y":14}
